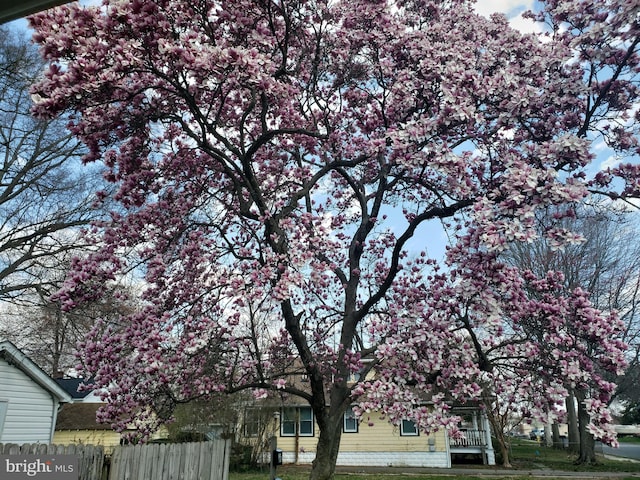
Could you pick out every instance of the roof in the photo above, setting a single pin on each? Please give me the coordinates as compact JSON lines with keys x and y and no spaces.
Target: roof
{"x":80,"y":416}
{"x":72,"y":386}
{"x":14,"y":10}
{"x":14,"y":356}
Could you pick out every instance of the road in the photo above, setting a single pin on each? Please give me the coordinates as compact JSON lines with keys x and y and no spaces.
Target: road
{"x":626,"y":450}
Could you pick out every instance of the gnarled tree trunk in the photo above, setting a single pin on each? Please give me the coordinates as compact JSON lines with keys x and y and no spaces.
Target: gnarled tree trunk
{"x":324,"y":465}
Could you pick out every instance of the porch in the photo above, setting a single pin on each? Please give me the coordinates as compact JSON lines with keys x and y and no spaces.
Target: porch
{"x":476,"y":436}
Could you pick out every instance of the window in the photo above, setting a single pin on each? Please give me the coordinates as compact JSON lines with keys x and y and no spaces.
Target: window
{"x":350,"y":424}
{"x":353,"y":377}
{"x":288,"y":422}
{"x":296,"y":421}
{"x":408,"y":428}
{"x":252,"y":422}
{"x":306,"y":421}
{"x":4,"y":406}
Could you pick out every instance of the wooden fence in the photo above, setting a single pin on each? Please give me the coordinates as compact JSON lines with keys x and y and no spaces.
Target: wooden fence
{"x":171,"y":461}
{"x":91,"y":464}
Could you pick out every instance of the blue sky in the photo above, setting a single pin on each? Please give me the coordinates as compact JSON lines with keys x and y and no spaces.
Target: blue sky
{"x":513,"y":9}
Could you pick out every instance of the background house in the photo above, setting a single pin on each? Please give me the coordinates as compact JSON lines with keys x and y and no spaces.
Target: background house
{"x":77,"y":425}
{"x":29,"y":399}
{"x":76,"y":387}
{"x":368,"y":441}
{"x":77,"y":422}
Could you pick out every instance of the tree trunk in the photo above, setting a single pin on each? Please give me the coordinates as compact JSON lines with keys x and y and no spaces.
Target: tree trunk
{"x":498,"y":431}
{"x":572,"y":422}
{"x":503,"y":445}
{"x":587,"y":453}
{"x":324,"y":465}
{"x":555,"y":432}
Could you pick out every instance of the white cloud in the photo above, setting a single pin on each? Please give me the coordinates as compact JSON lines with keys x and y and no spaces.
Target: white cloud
{"x":513,"y":9}
{"x":510,"y":8}
{"x":610,"y":162}
{"x":525,"y":25}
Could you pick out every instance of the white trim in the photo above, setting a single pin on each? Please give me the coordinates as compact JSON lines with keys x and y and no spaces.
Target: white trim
{"x":13,"y":10}
{"x":349,"y":415}
{"x":376,"y":459}
{"x":413,"y":433}
{"x":15,"y":357}
{"x":4,"y":407}
{"x":297,"y":422}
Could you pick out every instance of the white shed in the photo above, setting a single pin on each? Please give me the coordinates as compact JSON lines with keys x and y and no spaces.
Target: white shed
{"x":29,"y":399}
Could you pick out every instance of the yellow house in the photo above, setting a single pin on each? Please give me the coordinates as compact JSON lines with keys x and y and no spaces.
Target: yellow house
{"x":368,"y":441}
{"x":77,"y":425}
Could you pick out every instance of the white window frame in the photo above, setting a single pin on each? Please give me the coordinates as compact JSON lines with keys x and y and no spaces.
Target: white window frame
{"x":252,"y":421}
{"x":297,"y":422}
{"x":4,"y":408}
{"x":350,"y":421}
{"x":405,"y":432}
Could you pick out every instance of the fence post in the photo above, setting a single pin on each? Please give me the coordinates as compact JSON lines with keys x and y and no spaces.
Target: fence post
{"x":273,"y":444}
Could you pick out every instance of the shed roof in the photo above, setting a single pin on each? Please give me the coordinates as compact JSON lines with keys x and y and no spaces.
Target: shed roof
{"x":13,"y":10}
{"x":80,"y":416}
{"x":72,"y":387}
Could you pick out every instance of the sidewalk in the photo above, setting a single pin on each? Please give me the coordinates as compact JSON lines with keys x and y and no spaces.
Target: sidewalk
{"x":487,"y":472}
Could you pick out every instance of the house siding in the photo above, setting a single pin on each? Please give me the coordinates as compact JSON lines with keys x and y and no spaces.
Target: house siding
{"x":377,"y":443}
{"x":31,"y":410}
{"x":108,"y":439}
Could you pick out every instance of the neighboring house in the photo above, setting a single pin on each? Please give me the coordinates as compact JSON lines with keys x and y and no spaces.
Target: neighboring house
{"x":77,"y":420}
{"x":77,"y":425}
{"x":29,"y":399}
{"x":476,"y":434}
{"x":76,"y":388}
{"x":370,"y":440}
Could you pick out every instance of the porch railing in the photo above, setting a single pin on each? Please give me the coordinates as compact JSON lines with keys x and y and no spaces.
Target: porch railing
{"x":470,"y":438}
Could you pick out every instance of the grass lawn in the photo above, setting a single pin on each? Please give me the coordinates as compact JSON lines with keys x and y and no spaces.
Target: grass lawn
{"x":297,"y":474}
{"x":526,"y":455}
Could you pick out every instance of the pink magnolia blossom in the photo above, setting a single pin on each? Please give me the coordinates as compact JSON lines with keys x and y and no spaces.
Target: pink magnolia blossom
{"x":273,"y":160}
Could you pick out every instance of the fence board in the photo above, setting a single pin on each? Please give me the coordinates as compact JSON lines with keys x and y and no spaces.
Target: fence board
{"x":90,"y":457}
{"x":178,"y":461}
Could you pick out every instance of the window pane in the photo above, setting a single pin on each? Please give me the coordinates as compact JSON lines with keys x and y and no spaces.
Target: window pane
{"x":306,"y":413}
{"x":408,"y":427}
{"x":350,"y":421}
{"x":306,"y":421}
{"x":288,"y":422}
{"x":251,"y":422}
{"x":288,"y":428}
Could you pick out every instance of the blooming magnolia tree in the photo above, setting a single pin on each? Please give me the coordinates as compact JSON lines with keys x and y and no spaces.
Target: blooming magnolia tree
{"x":275,"y":158}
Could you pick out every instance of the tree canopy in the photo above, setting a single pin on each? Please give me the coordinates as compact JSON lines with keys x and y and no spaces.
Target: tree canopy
{"x":273,"y":160}
{"x":44,"y":201}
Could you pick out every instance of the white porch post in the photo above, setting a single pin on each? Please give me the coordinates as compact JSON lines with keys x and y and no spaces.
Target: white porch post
{"x":489,"y":454}
{"x":474,"y":420}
